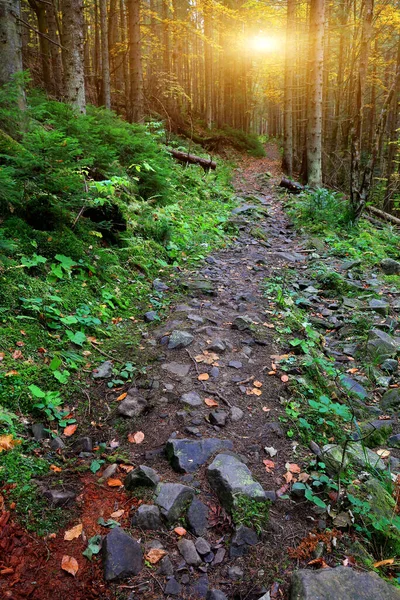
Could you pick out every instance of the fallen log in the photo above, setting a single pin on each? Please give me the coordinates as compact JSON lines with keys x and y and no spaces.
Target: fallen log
{"x":192,"y":159}
{"x":291,"y":186}
{"x":383,"y":215}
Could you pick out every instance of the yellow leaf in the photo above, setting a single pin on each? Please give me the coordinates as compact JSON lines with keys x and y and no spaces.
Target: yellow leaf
{"x":155,"y":555}
{"x":114,"y":483}
{"x":7,"y":442}
{"x":384,"y":563}
{"x":256,"y":392}
{"x":73,"y":533}
{"x":203,"y":377}
{"x":69,"y":564}
{"x":122,"y":396}
{"x":180,"y":531}
{"x":383,"y":453}
{"x":257,"y":384}
{"x":117,"y":514}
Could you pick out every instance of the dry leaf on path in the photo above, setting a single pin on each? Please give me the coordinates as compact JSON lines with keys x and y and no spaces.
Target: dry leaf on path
{"x":70,"y":430}
{"x":69,"y":564}
{"x":210,"y":402}
{"x":155,"y":555}
{"x":318,"y":562}
{"x":114,"y":483}
{"x":73,"y":533}
{"x":55,"y":469}
{"x":266,"y":409}
{"x":269,"y":465}
{"x":203,"y":377}
{"x":122,"y":396}
{"x":180,"y":531}
{"x":288,"y":477}
{"x":17,"y":354}
{"x":136,"y":438}
{"x":383,"y":453}
{"x":117,"y":514}
{"x":257,"y":384}
{"x":293,"y":468}
{"x":303,"y":477}
{"x":7,"y":442}
{"x":384,"y":563}
{"x":284,"y":378}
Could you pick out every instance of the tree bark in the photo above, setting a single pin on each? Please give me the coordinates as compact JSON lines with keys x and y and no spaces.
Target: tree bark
{"x":72,"y":40}
{"x":55,"y":55}
{"x":208,"y":77}
{"x":287,"y":160}
{"x":10,"y":40}
{"x":41,"y":16}
{"x":135,"y":62}
{"x":314,"y":122}
{"x":105,"y":57}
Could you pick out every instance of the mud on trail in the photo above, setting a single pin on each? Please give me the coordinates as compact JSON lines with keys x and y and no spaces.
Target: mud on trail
{"x":233,"y":388}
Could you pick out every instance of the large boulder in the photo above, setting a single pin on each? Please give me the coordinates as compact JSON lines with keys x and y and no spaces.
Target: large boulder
{"x":173,"y":498}
{"x":186,"y":456}
{"x":122,"y":555}
{"x":229,"y":478}
{"x":342,"y":583}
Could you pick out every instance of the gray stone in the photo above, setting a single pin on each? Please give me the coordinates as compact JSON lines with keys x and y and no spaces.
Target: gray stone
{"x":173,"y":588}
{"x":197,"y":517}
{"x":142,"y":476}
{"x":204,"y":286}
{"x":160,"y":286}
{"x":179,"y":339}
{"x":351,"y":264}
{"x":216,"y":595}
{"x":235,"y":573}
{"x":122,"y":555}
{"x":109,"y":472}
{"x":219,"y":556}
{"x":242,"y":539}
{"x":229,"y":477}
{"x":39,"y":432}
{"x":340,"y":583}
{"x":354,"y":387}
{"x":178,"y":369}
{"x":83,"y":444}
{"x":379,"y":306}
{"x":394,"y":441}
{"x":192,"y":399}
{"x":150,"y":316}
{"x":188,"y":550}
{"x":172,"y":498}
{"x":236,"y":414}
{"x":199,"y":589}
{"x":103,"y":371}
{"x":381,"y":345}
{"x":187,"y":455}
{"x":214,"y":372}
{"x":147,"y":516}
{"x":202,"y":546}
{"x":166,"y":567}
{"x":133,"y":405}
{"x":57,"y":444}
{"x":244,"y":323}
{"x":390,"y":266}
{"x":356,"y":454}
{"x":217,"y":345}
{"x":218,"y":417}
{"x":390,"y":365}
{"x":235,"y":364}
{"x":391,"y":399}
{"x":195,"y":318}
{"x":59,"y":497}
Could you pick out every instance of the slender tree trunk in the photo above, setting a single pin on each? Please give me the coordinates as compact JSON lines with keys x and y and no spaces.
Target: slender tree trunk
{"x":393,"y":142}
{"x":55,"y":54}
{"x":208,"y":75}
{"x":105,"y":58}
{"x":314,"y":123}
{"x":287,"y":161}
{"x":10,"y":40}
{"x":135,"y":62}
{"x":41,"y":16}
{"x":125,"y":68}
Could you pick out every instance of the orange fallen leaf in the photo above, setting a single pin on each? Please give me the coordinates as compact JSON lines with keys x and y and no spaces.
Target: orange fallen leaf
{"x":55,"y":469}
{"x":11,"y":373}
{"x":155,"y":555}
{"x":384,"y":563}
{"x":114,"y":482}
{"x":136,"y":438}
{"x":203,"y":377}
{"x":284,"y":378}
{"x":126,"y":468}
{"x":117,"y":514}
{"x":293,"y":468}
{"x":69,"y":564}
{"x":266,"y":409}
{"x":303,"y":477}
{"x":318,"y":562}
{"x":271,"y":373}
{"x":257,"y":384}
{"x":17,"y":354}
{"x":210,"y":402}
{"x":288,"y":477}
{"x":70,"y":430}
{"x":122,"y":396}
{"x":2,"y":355}
{"x":269,"y":465}
{"x":7,"y":571}
{"x":180,"y":531}
{"x":73,"y":533}
{"x":256,"y":392}
{"x":8,"y":442}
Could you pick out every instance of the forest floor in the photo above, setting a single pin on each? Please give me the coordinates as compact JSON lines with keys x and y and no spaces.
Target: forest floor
{"x":238,"y":392}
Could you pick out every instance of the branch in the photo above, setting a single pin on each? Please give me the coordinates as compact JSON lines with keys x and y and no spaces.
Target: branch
{"x":38,"y":32}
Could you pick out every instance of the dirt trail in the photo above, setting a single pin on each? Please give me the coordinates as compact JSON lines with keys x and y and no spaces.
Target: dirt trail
{"x":239,"y":377}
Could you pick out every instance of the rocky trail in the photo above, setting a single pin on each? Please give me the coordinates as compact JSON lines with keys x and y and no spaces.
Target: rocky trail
{"x":211,"y":407}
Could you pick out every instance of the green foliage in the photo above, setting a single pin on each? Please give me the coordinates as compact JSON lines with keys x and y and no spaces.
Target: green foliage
{"x":244,"y":142}
{"x":251,"y":513}
{"x":319,"y":209}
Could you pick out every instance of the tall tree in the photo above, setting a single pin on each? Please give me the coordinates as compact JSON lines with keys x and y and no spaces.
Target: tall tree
{"x":315,"y":88}
{"x":10,"y":40}
{"x":135,"y":63}
{"x":105,"y":56}
{"x":287,"y":160}
{"x":72,"y":38}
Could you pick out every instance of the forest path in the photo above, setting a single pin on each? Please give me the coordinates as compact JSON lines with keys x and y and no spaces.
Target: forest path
{"x":229,"y":359}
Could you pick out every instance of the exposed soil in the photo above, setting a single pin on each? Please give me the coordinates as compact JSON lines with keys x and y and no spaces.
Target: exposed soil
{"x":30,"y":567}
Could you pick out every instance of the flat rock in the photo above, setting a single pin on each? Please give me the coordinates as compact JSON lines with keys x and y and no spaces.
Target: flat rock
{"x":340,"y":583}
{"x":172,"y":498}
{"x":180,"y":370}
{"x":192,"y":399}
{"x":160,"y":286}
{"x":202,"y":546}
{"x":218,"y":417}
{"x":229,"y":477}
{"x":390,"y":365}
{"x":381,"y":345}
{"x":235,"y":364}
{"x":217,"y":345}
{"x":150,"y":316}
{"x":391,"y":400}
{"x":187,"y":455}
{"x":188,"y":550}
{"x":133,"y":405}
{"x":394,"y":441}
{"x":199,"y":589}
{"x":202,"y":286}
{"x":179,"y":339}
{"x":236,"y":414}
{"x":103,"y":371}
{"x":122,"y":555}
{"x":390,"y":266}
{"x":355,"y":454}
{"x":60,"y":497}
{"x":142,"y":476}
{"x":147,"y":516}
{"x":57,"y":444}
{"x":242,"y":539}
{"x":173,"y":588}
{"x":379,"y":306}
{"x":166,"y":567}
{"x":197,"y":517}
{"x":39,"y":432}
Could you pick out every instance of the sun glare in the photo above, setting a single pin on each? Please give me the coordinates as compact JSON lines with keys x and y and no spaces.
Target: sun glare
{"x":264,"y":43}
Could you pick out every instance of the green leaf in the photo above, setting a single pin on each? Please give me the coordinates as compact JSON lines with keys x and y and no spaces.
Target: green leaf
{"x":94,"y":546}
{"x":55,"y":363}
{"x":315,"y":499}
{"x":36,"y":391}
{"x":109,"y":523}
{"x":78,"y":338}
{"x":96,"y":465}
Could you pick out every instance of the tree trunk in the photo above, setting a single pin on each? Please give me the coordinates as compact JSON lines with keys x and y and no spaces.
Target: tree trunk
{"x":287,"y":161}
{"x":55,"y":55}
{"x":135,"y":62}
{"x":72,"y":39}
{"x":314,"y":123}
{"x":393,"y":143}
{"x":10,"y":40}
{"x":41,"y":16}
{"x":208,"y":77}
{"x":105,"y":57}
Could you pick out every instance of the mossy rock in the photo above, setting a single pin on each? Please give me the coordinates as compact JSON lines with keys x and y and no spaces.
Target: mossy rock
{"x":259,"y":233}
{"x":356,"y":455}
{"x":375,"y":433}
